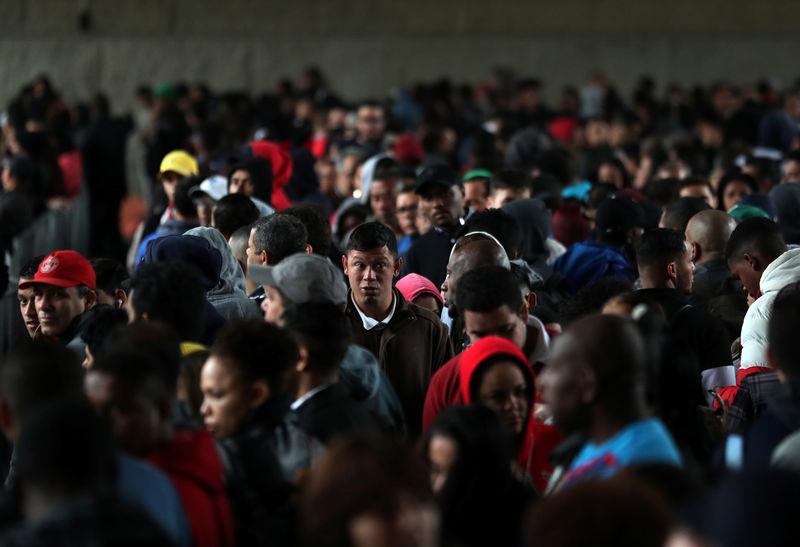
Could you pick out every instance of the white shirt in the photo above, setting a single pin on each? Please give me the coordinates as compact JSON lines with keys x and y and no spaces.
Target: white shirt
{"x":299,"y":402}
{"x":370,"y":323}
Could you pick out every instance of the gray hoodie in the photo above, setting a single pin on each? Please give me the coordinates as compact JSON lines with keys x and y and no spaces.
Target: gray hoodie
{"x":229,"y":296}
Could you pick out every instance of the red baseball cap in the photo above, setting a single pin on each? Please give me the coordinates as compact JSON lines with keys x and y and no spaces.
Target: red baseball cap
{"x":63,"y":269}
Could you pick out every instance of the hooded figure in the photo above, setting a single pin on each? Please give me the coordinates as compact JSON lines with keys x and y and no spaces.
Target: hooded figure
{"x":303,"y":186}
{"x":261,"y":177}
{"x":203,"y":259}
{"x":368,"y":175}
{"x":533,"y":218}
{"x":281,"y":163}
{"x":229,"y":296}
{"x":533,"y":440}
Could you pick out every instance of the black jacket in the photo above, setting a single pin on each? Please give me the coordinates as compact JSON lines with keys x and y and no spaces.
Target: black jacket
{"x":428,"y":256}
{"x":332,"y":412}
{"x":260,"y":462}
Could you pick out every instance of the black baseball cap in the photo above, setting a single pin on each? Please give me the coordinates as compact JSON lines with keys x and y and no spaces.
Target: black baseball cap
{"x":618,"y":212}
{"x":441,"y":175}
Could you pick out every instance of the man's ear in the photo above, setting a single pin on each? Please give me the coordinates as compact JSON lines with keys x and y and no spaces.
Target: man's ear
{"x":302,"y":364}
{"x":344,"y":264}
{"x":90,"y":299}
{"x":695,"y":251}
{"x":524,"y":310}
{"x":309,"y":249}
{"x":259,"y":393}
{"x":397,"y":265}
{"x":672,"y":270}
{"x":121,"y":297}
{"x":589,"y":387}
{"x":752,"y":261}
{"x":531,"y":299}
{"x":263,"y":258}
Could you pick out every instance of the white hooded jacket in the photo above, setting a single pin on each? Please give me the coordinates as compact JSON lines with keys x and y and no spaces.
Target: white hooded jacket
{"x":782,"y":271}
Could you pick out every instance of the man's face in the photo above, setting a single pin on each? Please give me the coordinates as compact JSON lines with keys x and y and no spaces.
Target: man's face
{"x":441,"y":204}
{"x":563,"y":384}
{"x":370,"y":123}
{"x":27,"y":307}
{"x":58,"y":306}
{"x":475,"y":196}
{"x":382,"y":200}
{"x":701,"y":191}
{"x":225,"y":396}
{"x":272,"y":305}
{"x":253,"y":257}
{"x":501,"y":322}
{"x":458,"y":264}
{"x":135,"y":418}
{"x":205,"y":205}
{"x":747,"y":274}
{"x":684,"y":270}
{"x":791,"y":171}
{"x":370,"y":274}
{"x":506,"y":195}
{"x":241,"y":183}
{"x":407,"y":212}
{"x":327,"y":175}
{"x":169,"y":180}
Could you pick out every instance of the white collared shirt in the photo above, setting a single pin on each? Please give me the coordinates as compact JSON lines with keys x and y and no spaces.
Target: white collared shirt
{"x":370,"y":323}
{"x":299,"y":402}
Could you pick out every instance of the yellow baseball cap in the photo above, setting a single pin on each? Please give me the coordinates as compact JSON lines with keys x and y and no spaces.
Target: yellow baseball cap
{"x":180,"y":162}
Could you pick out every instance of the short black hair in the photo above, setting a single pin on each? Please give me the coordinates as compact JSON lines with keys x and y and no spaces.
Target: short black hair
{"x":152,"y":341}
{"x":98,"y":323}
{"x":502,"y":225}
{"x":591,"y":298}
{"x":37,"y":372}
{"x":678,"y":213}
{"x":321,"y":328}
{"x":784,"y":324}
{"x":30,"y":268}
{"x":171,"y":293}
{"x":663,"y":191}
{"x":319,"y":229}
{"x":386,"y":169}
{"x":182,"y":200}
{"x":372,"y":235}
{"x":110,"y":274}
{"x":758,"y":235}
{"x":262,"y":350}
{"x":660,"y":245}
{"x":234,"y":211}
{"x":140,"y":371}
{"x":514,"y":179}
{"x":280,"y":236}
{"x":487,"y":288}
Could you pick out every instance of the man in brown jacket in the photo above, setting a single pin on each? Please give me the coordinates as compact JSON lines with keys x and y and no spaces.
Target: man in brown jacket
{"x":411,"y":343}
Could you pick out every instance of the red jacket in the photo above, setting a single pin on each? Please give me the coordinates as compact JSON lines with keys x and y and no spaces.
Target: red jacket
{"x":538,"y":439}
{"x":191,"y":462}
{"x":281,"y":163}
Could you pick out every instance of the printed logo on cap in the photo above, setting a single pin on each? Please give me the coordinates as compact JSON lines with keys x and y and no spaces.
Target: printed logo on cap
{"x":49,"y":265}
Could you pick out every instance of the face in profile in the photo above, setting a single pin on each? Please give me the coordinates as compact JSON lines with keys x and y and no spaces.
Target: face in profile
{"x":226,"y":400}
{"x":27,"y":308}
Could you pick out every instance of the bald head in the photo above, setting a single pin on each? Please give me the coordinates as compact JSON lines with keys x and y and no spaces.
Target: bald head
{"x":598,"y":362}
{"x":708,"y":232}
{"x":479,"y":250}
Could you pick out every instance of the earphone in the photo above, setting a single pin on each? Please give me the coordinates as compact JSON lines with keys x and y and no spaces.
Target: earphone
{"x":119,"y":302}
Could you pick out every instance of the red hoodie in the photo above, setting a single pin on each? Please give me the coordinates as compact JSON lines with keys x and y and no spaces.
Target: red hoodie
{"x":538,"y":439}
{"x":281,"y":163}
{"x":191,"y":462}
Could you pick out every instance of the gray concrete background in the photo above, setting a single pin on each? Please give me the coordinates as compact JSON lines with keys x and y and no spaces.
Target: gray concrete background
{"x":368,"y":46}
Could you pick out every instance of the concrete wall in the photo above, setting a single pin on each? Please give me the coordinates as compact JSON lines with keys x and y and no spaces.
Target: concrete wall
{"x":368,"y":46}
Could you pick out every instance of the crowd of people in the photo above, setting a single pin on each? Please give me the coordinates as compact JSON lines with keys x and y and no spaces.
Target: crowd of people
{"x":455,"y":316}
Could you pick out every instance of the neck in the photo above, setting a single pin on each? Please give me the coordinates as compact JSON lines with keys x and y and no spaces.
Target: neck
{"x":377,"y":311}
{"x":606,"y":424}
{"x":308,"y":381}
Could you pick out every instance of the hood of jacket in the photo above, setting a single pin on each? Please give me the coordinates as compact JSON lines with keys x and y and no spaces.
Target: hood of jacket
{"x":195,"y":251}
{"x":281,"y":163}
{"x":231,"y":280}
{"x":533,"y":218}
{"x":783,"y":270}
{"x":368,"y":175}
{"x":484,"y":349}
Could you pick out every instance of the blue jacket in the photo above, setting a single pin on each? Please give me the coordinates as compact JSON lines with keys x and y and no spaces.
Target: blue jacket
{"x":589,"y":261}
